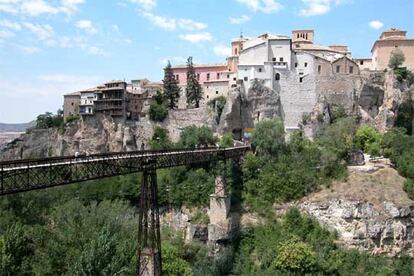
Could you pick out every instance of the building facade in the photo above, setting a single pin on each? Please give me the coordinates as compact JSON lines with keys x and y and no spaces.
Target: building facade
{"x":111,"y":99}
{"x":71,"y":103}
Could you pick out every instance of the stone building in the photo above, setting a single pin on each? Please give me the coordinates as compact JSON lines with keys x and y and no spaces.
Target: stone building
{"x":87,"y":99}
{"x":71,"y":103}
{"x":111,"y":99}
{"x":139,"y":95}
{"x":389,"y":41}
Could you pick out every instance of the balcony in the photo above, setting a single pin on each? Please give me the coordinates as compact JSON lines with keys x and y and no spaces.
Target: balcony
{"x":280,"y":65}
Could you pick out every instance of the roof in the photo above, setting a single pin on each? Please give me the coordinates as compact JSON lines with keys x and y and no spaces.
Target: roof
{"x":180,"y":66}
{"x":317,"y":47}
{"x":77,"y":93}
{"x":115,"y":81}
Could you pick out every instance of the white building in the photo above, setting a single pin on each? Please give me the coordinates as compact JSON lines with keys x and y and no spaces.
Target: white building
{"x":87,"y":98}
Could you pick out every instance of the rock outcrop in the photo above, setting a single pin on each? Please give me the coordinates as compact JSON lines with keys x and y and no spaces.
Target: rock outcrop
{"x":369,"y":212}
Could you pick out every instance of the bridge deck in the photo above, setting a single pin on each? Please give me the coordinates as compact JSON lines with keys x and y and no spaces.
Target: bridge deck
{"x":24,"y":175}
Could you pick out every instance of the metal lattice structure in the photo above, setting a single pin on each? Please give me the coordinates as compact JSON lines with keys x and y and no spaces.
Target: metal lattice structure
{"x":26,"y":175}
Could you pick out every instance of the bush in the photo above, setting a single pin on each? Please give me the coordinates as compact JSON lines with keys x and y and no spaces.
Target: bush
{"x":72,"y":118}
{"x":158,"y":109}
{"x":227,"y":140}
{"x":160,"y":139}
{"x":48,"y":120}
{"x":193,"y":136}
{"x":409,"y":188}
{"x":269,"y":137}
{"x":397,"y":58}
{"x":368,"y":139}
{"x":405,"y":116}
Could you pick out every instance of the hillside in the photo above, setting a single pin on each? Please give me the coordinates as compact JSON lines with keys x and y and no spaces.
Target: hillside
{"x":15,"y":127}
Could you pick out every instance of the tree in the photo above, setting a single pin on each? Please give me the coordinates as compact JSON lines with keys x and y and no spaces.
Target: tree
{"x":170,"y":87}
{"x":48,"y":120}
{"x":397,"y":58}
{"x":368,"y":139}
{"x":227,"y":140}
{"x":160,"y":139}
{"x":193,"y":136}
{"x":193,"y":90}
{"x":158,"y":110}
{"x":269,"y":136}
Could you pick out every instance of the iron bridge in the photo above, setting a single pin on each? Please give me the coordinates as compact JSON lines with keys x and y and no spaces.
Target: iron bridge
{"x":18,"y":176}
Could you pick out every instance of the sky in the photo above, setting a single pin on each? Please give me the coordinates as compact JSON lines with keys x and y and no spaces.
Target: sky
{"x":52,"y":47}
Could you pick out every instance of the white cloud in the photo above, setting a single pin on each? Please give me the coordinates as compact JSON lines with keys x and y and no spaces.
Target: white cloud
{"x":39,"y":7}
{"x":197,"y":37}
{"x":189,"y":24}
{"x":67,"y":79}
{"x":265,"y":6}
{"x":239,"y":20}
{"x":171,"y":24}
{"x":6,"y":34}
{"x":319,"y":7}
{"x":10,"y":25}
{"x":160,"y":21}
{"x":86,"y":25}
{"x":145,"y":4}
{"x":96,"y":51}
{"x":222,"y":51}
{"x":376,"y":24}
{"x":29,"y":50}
{"x":42,"y":32}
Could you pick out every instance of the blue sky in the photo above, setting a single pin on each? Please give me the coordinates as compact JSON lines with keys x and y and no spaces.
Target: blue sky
{"x":52,"y":47}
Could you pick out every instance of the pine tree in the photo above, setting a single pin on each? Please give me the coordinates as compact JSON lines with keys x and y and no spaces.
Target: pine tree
{"x":193,"y":90}
{"x":170,"y":87}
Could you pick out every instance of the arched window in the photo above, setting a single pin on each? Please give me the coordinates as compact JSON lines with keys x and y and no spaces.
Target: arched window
{"x":277,"y":76}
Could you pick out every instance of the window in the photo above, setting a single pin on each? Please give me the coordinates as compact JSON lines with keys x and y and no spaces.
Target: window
{"x":207,"y":97}
{"x":281,"y":59}
{"x":72,"y":104}
{"x":297,"y":45}
{"x":235,"y":51}
{"x":351,"y":69}
{"x":198,"y":76}
{"x":319,"y":69}
{"x":260,"y":70}
{"x":361,"y":62}
{"x":274,"y":59}
{"x":338,"y":68}
{"x":216,"y":92}
{"x":300,"y":79}
{"x":234,"y":79}
{"x":218,"y":76}
{"x":246,"y":78}
{"x":228,"y":76}
{"x":296,"y":64}
{"x":277,"y":77}
{"x":208,"y":76}
{"x":306,"y":64}
{"x":177,"y":77}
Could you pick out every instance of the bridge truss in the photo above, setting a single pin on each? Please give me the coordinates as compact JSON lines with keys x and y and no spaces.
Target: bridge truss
{"x":25,"y":175}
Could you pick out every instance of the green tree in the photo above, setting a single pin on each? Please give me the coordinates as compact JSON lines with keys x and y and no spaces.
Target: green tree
{"x":160,"y":139}
{"x":48,"y":120}
{"x":193,"y":91}
{"x":405,"y":116}
{"x":397,"y":58}
{"x":170,"y":87}
{"x":368,"y":139}
{"x":269,"y":137}
{"x":193,"y":136}
{"x":295,"y":256}
{"x":227,"y":140}
{"x":158,"y":110}
{"x":173,"y":262}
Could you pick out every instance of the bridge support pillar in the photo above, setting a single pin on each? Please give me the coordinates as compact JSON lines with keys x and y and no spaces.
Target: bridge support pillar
{"x":220,"y":226}
{"x":149,"y":240}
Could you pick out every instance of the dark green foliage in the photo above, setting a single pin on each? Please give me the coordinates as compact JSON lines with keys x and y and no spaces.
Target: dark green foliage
{"x":405,"y":116}
{"x":218,"y":105}
{"x":298,"y":245}
{"x":194,"y":92}
{"x":170,"y":87}
{"x":160,"y":139}
{"x":269,"y":137}
{"x":173,"y":261}
{"x":158,"y":109}
{"x":193,"y":136}
{"x":338,"y":137}
{"x":227,"y":140}
{"x":338,"y":113}
{"x":72,"y":118}
{"x":409,"y":188}
{"x":48,"y":120}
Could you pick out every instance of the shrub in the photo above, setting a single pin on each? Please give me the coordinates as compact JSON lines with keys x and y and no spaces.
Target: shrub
{"x":48,"y":120}
{"x":160,"y":139}
{"x":405,"y":116}
{"x":158,"y":109}
{"x":269,"y":137}
{"x":72,"y":118}
{"x":193,"y":136}
{"x":368,"y":139}
{"x":397,"y":58}
{"x":409,"y":188}
{"x":227,"y":140}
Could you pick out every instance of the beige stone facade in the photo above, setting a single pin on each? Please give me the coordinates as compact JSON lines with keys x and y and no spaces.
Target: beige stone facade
{"x":71,"y":104}
{"x":388,"y":42}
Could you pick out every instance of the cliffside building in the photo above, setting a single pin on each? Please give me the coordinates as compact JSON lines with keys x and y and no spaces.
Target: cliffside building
{"x":71,"y":103}
{"x":111,"y":99}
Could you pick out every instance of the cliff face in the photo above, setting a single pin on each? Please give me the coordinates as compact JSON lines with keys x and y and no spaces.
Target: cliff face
{"x":99,"y":134}
{"x":369,"y":211}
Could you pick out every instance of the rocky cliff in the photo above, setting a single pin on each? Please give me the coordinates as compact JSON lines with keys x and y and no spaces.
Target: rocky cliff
{"x":100,"y":134}
{"x":369,"y":211}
